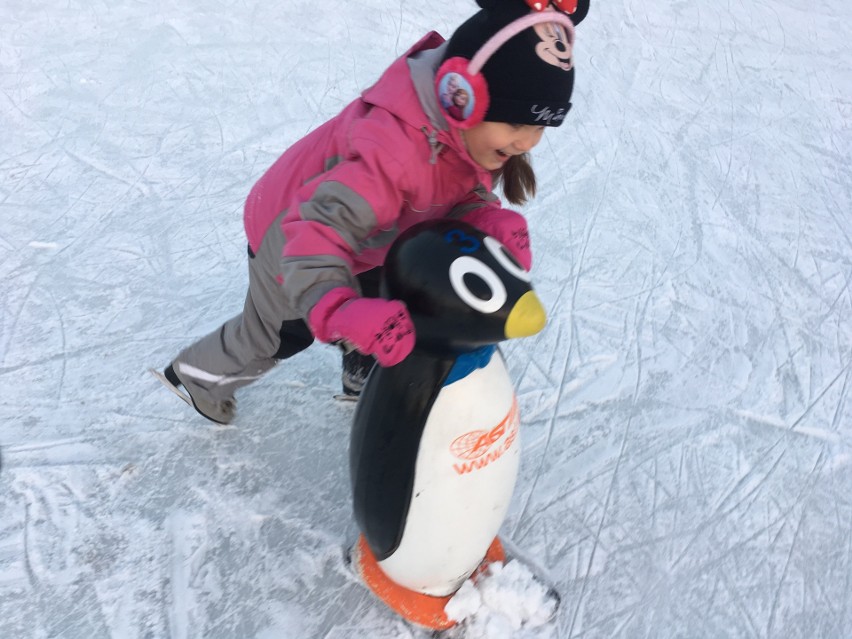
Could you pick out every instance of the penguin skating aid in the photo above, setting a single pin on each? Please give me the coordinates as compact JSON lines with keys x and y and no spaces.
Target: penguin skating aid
{"x":435,"y":442}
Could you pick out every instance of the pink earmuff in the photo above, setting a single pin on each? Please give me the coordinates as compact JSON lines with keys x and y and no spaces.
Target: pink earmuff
{"x":462,"y":90}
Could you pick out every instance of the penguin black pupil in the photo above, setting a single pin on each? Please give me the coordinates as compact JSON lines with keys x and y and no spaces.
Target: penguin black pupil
{"x":478,"y":286}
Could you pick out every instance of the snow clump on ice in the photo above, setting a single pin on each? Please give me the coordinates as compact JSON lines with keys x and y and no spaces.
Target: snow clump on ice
{"x":503,"y":602}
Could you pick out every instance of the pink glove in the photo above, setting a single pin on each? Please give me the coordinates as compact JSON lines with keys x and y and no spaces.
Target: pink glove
{"x":374,"y":326}
{"x":508,"y":227}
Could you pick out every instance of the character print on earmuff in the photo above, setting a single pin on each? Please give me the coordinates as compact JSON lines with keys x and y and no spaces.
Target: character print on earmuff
{"x":456,"y":96}
{"x":461,"y":87}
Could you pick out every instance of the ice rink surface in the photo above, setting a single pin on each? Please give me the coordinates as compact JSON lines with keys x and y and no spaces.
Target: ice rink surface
{"x":686,"y":414}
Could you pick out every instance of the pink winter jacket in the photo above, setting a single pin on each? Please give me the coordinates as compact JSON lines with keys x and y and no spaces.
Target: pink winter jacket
{"x":347,"y":189}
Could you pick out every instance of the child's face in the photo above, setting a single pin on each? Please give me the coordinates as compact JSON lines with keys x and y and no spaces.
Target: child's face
{"x":490,"y":144}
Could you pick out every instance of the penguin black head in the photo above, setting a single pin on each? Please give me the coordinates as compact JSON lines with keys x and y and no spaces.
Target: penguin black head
{"x":462,"y":287}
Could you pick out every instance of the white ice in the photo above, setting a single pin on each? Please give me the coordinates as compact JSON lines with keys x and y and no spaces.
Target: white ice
{"x":686,"y":414}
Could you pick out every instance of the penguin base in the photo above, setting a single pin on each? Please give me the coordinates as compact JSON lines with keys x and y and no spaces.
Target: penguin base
{"x":423,"y":610}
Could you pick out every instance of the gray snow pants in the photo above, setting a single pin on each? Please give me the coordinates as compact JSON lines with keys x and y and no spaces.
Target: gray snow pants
{"x":249,"y":344}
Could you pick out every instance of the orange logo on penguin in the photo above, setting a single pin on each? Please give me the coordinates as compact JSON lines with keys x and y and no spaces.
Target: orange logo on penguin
{"x":481,"y":447}
{"x":477,"y":442}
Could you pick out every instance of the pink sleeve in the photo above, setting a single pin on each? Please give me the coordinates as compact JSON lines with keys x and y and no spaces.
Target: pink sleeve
{"x":360,"y":195}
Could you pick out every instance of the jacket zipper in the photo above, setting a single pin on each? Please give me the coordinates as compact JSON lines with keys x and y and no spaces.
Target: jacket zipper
{"x":436,"y":146}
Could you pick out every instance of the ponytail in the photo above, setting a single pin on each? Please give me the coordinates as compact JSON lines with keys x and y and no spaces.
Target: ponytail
{"x":517,"y":178}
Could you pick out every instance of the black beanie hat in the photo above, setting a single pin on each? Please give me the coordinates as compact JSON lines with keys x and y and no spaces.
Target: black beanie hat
{"x":531,"y":76}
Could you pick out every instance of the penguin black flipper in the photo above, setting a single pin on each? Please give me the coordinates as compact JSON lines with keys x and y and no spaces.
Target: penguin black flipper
{"x":389,"y":422}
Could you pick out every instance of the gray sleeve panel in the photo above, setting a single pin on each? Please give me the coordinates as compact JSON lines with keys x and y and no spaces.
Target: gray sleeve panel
{"x":485,"y":194}
{"x":339,"y":207}
{"x":307,"y":279}
{"x":463,"y":209}
{"x":480,"y":196}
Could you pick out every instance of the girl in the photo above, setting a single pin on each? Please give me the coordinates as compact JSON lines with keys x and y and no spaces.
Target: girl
{"x":322,"y":218}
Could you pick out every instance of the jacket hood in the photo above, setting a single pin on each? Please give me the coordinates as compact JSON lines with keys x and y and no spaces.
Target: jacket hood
{"x":413,"y":69}
{"x":423,"y":66}
{"x":419,"y":107}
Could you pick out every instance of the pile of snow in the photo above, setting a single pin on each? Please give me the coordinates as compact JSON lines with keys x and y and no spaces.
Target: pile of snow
{"x":503,"y":603}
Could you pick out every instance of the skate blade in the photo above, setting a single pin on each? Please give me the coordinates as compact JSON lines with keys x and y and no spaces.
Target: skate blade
{"x":348,"y":399}
{"x":165,"y":382}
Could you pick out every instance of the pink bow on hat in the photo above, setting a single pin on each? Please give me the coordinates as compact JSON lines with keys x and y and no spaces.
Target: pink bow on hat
{"x":568,"y":6}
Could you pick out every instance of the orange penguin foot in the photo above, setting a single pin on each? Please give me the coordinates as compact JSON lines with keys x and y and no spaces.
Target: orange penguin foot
{"x":420,"y":609}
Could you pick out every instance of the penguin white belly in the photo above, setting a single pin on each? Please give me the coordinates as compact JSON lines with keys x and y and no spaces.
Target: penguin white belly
{"x":465,"y":473}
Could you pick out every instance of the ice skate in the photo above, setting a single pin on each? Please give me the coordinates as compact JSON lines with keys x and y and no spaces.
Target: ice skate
{"x":356,"y":369}
{"x":220,"y":412}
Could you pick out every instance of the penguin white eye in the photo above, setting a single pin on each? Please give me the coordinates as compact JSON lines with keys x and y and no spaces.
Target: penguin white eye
{"x":466,"y":266}
{"x":500,"y":254}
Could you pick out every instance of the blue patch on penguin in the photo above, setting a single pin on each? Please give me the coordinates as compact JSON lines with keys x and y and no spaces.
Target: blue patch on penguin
{"x":469,"y":362}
